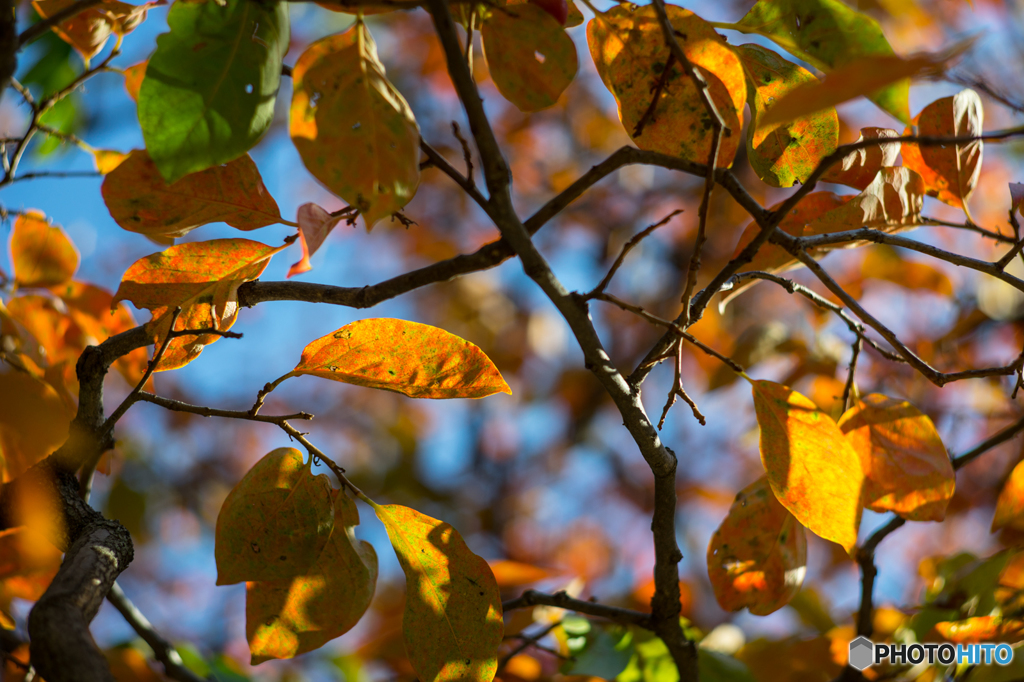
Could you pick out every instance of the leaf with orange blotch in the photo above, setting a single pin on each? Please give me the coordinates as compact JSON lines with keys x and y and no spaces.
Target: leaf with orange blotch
{"x":517,"y":574}
{"x":812,"y":468}
{"x":89,"y":30}
{"x":415,"y":359}
{"x":859,"y":168}
{"x":42,"y":254}
{"x":782,"y":155}
{"x":758,"y":556}
{"x":107,"y":160}
{"x":314,"y":225}
{"x":33,"y":421}
{"x":982,"y":629}
{"x":452,"y":625}
{"x":27,"y":563}
{"x":133,"y":76}
{"x":892,"y":202}
{"x":950,"y":171}
{"x":200,"y":277}
{"x":1010,"y":504}
{"x":906,"y":467}
{"x":140,"y":200}
{"x":275,"y":522}
{"x":631,"y":56}
{"x":285,"y":618}
{"x":531,"y":58}
{"x":884,"y":262}
{"x":354,"y":131}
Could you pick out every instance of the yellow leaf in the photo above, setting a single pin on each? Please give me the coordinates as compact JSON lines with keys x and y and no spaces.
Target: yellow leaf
{"x":107,"y":160}
{"x":133,"y":76}
{"x":1010,"y":504}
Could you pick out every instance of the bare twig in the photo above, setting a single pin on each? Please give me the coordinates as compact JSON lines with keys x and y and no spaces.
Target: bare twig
{"x":626,"y":248}
{"x":525,"y":643}
{"x":858,"y":344}
{"x":564,"y":601}
{"x":467,"y":154}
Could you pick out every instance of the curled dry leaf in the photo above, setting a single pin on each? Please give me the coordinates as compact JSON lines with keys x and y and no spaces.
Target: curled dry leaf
{"x":42,"y":254}
{"x":314,"y":225}
{"x":89,"y":30}
{"x":891,"y":202}
{"x":758,"y":556}
{"x":859,"y":168}
{"x":1010,"y":504}
{"x":906,"y":467}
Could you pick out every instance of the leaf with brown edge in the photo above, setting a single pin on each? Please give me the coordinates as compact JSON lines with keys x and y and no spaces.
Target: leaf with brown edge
{"x":285,"y":618}
{"x":892,"y":202}
{"x":631,"y":56}
{"x":782,"y":155}
{"x":812,"y":468}
{"x":531,"y":58}
{"x":42,"y":254}
{"x":859,"y":168}
{"x":200,"y":277}
{"x":133,"y":76}
{"x":275,"y":522}
{"x":354,"y":131}
{"x":452,"y":625}
{"x":314,"y":225}
{"x":415,"y":359}
{"x":906,"y":467}
{"x":758,"y":556}
{"x":34,"y":421}
{"x":951,"y":171}
{"x":1010,"y":503}
{"x":140,"y":200}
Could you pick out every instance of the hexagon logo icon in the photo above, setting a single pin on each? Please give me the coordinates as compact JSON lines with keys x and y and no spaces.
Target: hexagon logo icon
{"x":862,"y":653}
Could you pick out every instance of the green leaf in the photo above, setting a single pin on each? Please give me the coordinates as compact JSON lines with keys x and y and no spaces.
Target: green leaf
{"x":452,"y":626}
{"x":208,"y":95}
{"x":606,"y":652}
{"x":275,"y":522}
{"x":718,"y":667}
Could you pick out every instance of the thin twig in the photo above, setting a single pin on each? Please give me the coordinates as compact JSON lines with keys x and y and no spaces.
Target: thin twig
{"x":656,"y":90}
{"x":37,"y":29}
{"x":527,"y":642}
{"x":438,"y":160}
{"x":626,"y":248}
{"x":858,"y":344}
{"x":564,"y":601}
{"x":467,"y":155}
{"x":677,"y":389}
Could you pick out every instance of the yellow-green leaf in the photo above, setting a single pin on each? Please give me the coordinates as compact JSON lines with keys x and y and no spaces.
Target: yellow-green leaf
{"x":812,"y":469}
{"x":354,"y":131}
{"x":1010,"y":504}
{"x":859,"y":168}
{"x":452,"y":625}
{"x":275,"y":522}
{"x":758,"y":556}
{"x":42,"y":254}
{"x":407,"y":357}
{"x":906,"y":467}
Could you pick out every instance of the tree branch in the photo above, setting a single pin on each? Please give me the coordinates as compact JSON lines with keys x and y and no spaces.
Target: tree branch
{"x":562,"y":600}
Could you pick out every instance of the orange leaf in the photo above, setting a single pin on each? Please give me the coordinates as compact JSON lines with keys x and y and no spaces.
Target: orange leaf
{"x":89,"y":30}
{"x":1010,"y":504}
{"x":133,"y":76}
{"x":275,"y":522}
{"x":981,"y":629}
{"x":50,"y":327}
{"x":906,"y":467}
{"x":42,"y":254}
{"x":33,"y":421}
{"x":859,"y":168}
{"x":406,"y":357}
{"x":517,"y":574}
{"x":758,"y":556}
{"x":140,"y":200}
{"x":201,"y":277}
{"x":27,"y":563}
{"x":452,"y":626}
{"x":812,"y":469}
{"x":884,"y":262}
{"x":285,"y":618}
{"x":314,"y":225}
{"x":107,"y":160}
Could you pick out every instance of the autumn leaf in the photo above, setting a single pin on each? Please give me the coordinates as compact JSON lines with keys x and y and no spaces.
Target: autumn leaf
{"x":140,"y":200}
{"x":782,"y":155}
{"x":275,"y":523}
{"x":1010,"y":504}
{"x":33,"y":421}
{"x":531,"y":58}
{"x":133,"y":76}
{"x":982,"y":629}
{"x":42,"y":254}
{"x":859,"y":168}
{"x":354,"y":131}
{"x":812,"y":469}
{"x":950,"y":172}
{"x":516,"y":573}
{"x":629,"y":51}
{"x":758,"y":556}
{"x":200,"y":277}
{"x":89,"y":30}
{"x":415,"y":359}
{"x":452,"y":626}
{"x":314,"y":225}
{"x":107,"y":160}
{"x":892,"y":202}
{"x":27,"y":566}
{"x":285,"y":618}
{"x":884,"y":262}
{"x":906,"y":466}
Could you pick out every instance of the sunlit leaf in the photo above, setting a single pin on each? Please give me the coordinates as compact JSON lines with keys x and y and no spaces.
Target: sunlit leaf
{"x":452,"y":626}
{"x":209,"y":89}
{"x":42,"y":254}
{"x":758,"y":556}
{"x":140,"y":200}
{"x":517,"y":574}
{"x":285,"y":618}
{"x":33,"y":421}
{"x":89,"y":30}
{"x":906,"y":467}
{"x":275,"y":522}
{"x":354,"y":131}
{"x":982,"y":629}
{"x":530,"y":56}
{"x":314,"y":225}
{"x":50,"y":327}
{"x":812,"y":469}
{"x":782,"y":155}
{"x":107,"y":160}
{"x":406,"y":357}
{"x":200,"y":277}
{"x":133,"y":76}
{"x":27,"y":566}
{"x":1010,"y":504}
{"x":629,"y":51}
{"x":859,"y":168}
{"x":892,"y":201}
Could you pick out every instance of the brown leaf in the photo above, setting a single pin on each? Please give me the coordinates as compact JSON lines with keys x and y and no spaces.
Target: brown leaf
{"x":859,"y":168}
{"x":314,"y":225}
{"x":89,"y":30}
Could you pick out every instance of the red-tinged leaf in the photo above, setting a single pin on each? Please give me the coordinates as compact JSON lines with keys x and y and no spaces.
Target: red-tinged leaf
{"x":631,"y":56}
{"x":285,"y":618}
{"x":782,"y":155}
{"x":884,"y":262}
{"x":42,"y":254}
{"x":406,"y":357}
{"x":812,"y":469}
{"x":982,"y":629}
{"x":859,"y":168}
{"x":950,"y":172}
{"x":758,"y":556}
{"x":133,"y":76}
{"x":906,"y":467}
{"x":1016,"y":196}
{"x":200,"y":277}
{"x":33,"y":421}
{"x":452,"y":625}
{"x":314,"y":225}
{"x":1010,"y":504}
{"x":275,"y":522}
{"x":892,"y":201}
{"x":107,"y":160}
{"x":140,"y":200}
{"x":516,"y":574}
{"x":89,"y":30}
